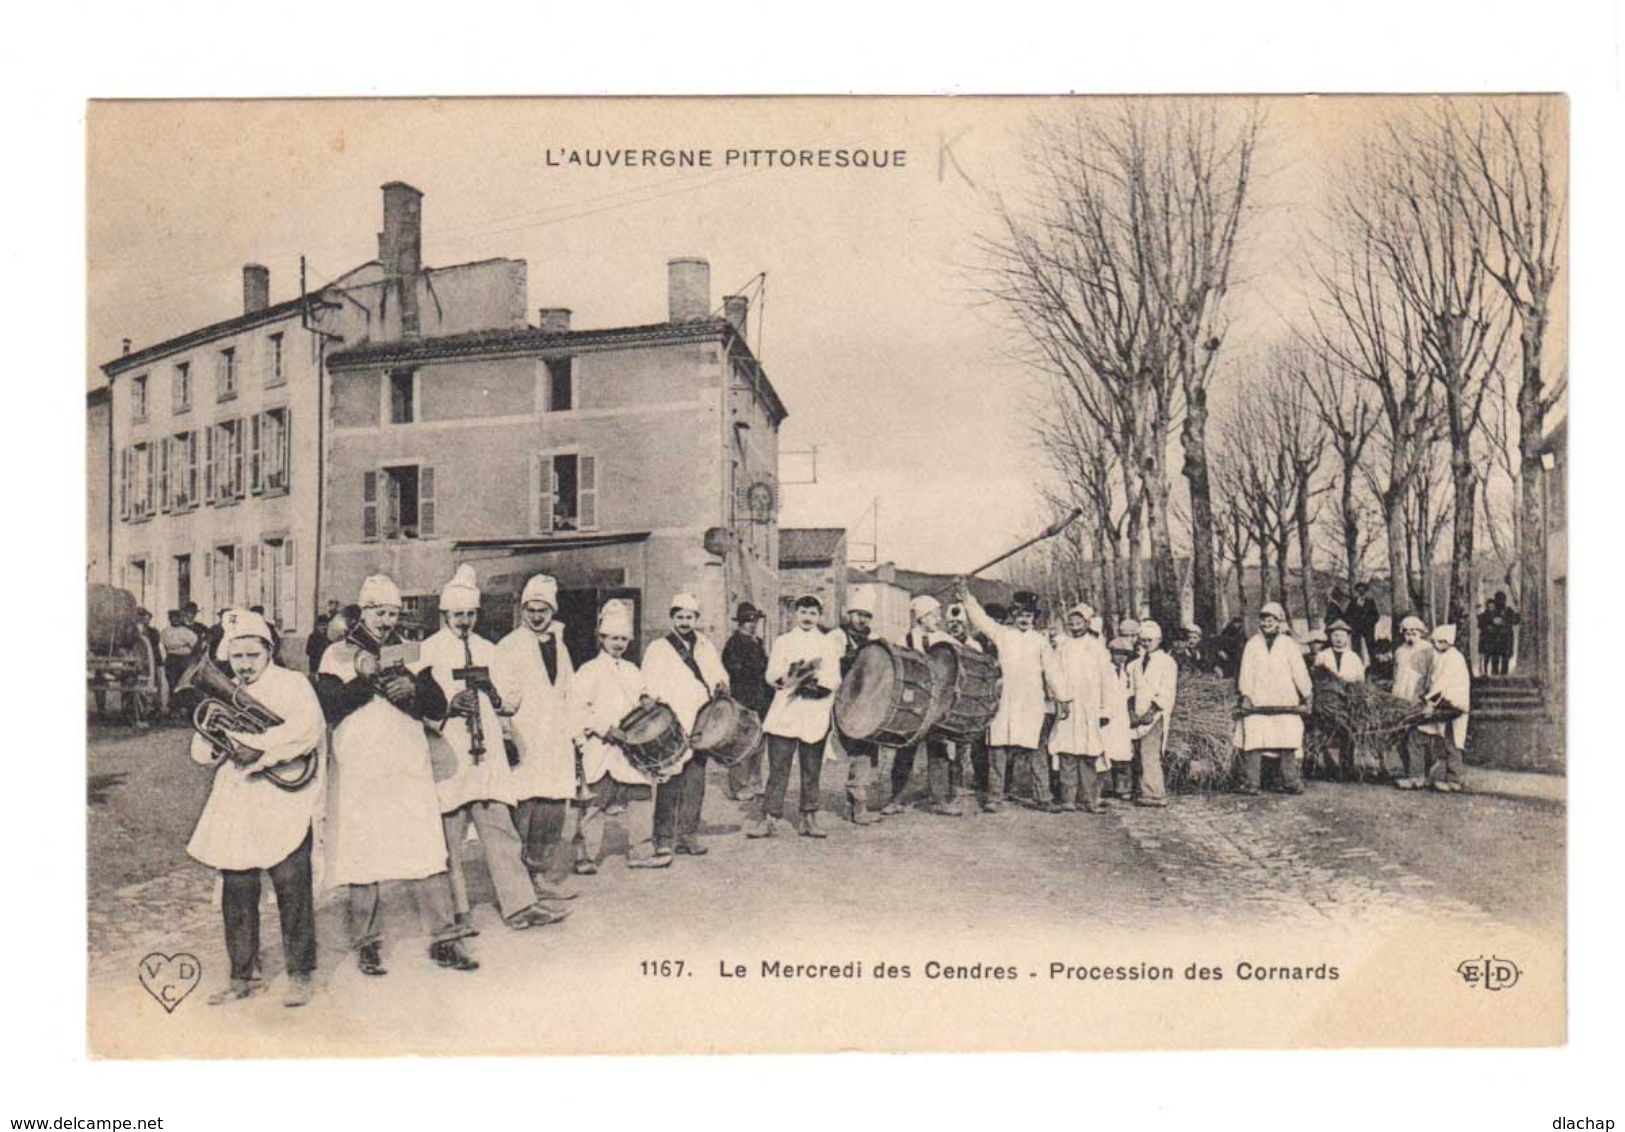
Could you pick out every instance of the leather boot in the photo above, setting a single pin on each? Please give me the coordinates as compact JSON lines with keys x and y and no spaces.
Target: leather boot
{"x":369,"y":961}
{"x":451,"y":956}
{"x":860,"y":811}
{"x":809,"y":825}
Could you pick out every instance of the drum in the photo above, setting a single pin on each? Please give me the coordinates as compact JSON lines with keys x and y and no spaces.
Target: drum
{"x":887,"y":697}
{"x":653,"y":740}
{"x":726,"y":730}
{"x":970,"y":689}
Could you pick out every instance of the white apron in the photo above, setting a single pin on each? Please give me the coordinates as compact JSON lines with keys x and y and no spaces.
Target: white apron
{"x":1453,"y":683}
{"x":1115,"y":739}
{"x":248,"y":823}
{"x":1413,"y":668}
{"x":1085,"y":668}
{"x":547,"y":760}
{"x":602,"y":692}
{"x":383,"y":812}
{"x":1348,"y":667}
{"x":1272,"y":676}
{"x":487,"y":780}
{"x":674,"y":684}
{"x":797,"y":717}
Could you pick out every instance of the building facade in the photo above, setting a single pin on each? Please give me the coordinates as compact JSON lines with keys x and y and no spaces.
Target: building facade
{"x":632,"y":462}
{"x":216,"y":439}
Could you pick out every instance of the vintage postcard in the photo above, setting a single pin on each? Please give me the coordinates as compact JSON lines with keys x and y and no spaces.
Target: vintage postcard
{"x":794,"y":575}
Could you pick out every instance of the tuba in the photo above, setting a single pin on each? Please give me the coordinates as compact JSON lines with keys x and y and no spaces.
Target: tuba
{"x":225,"y":706}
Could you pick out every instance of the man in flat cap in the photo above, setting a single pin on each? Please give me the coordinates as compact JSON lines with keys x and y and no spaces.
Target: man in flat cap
{"x":1273,"y":697}
{"x":805,"y":669}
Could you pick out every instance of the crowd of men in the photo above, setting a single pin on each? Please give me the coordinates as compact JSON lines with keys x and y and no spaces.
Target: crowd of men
{"x":415,"y":745}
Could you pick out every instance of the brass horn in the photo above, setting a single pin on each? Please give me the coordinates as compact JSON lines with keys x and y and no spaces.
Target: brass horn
{"x":225,"y":706}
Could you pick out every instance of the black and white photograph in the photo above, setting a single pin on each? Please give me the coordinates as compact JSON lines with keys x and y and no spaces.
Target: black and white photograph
{"x":792,"y":575}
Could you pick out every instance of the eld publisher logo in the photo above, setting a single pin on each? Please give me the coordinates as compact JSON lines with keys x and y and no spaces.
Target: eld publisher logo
{"x":1491,"y":974}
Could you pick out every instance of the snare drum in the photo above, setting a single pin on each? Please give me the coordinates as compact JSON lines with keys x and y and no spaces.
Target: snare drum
{"x":653,"y":740}
{"x":972,"y":691}
{"x":726,"y":730}
{"x":887,"y":697}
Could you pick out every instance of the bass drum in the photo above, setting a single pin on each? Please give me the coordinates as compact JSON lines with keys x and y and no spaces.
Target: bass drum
{"x":653,"y":740}
{"x":726,"y":730}
{"x":888,"y":696}
{"x":971,"y":682}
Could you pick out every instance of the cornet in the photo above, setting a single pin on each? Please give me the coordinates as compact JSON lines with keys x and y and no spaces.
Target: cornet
{"x":226,"y":706}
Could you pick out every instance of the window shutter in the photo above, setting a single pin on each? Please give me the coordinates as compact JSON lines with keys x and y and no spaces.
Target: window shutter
{"x":285,"y":472}
{"x":287,"y":605}
{"x":239,"y":455}
{"x":163,"y":474}
{"x":148,"y":479}
{"x":256,"y":479}
{"x":208,"y":464}
{"x":426,"y":502}
{"x":369,"y":506}
{"x":544,"y":495}
{"x":124,"y":483}
{"x":239,"y":576}
{"x":208,"y":565}
{"x":191,"y":468}
{"x":587,"y":493}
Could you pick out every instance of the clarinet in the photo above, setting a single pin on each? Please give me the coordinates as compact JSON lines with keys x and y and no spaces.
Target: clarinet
{"x":471,"y":678}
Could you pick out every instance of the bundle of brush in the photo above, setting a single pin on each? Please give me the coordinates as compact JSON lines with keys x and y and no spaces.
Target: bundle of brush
{"x":1200,"y":756}
{"x":1362,"y":723}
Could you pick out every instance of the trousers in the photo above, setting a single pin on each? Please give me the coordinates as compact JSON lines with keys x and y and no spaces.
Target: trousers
{"x":781,"y":751}
{"x":1002,"y":762}
{"x":679,"y":802}
{"x":640,"y":818}
{"x":1291,"y":772}
{"x":1445,"y":764}
{"x":938,"y":770}
{"x":431,"y":895}
{"x":745,"y":776}
{"x":862,"y":760}
{"x":544,"y":850}
{"x":295,"y":905}
{"x":1080,"y":781}
{"x":1148,"y":762}
{"x":499,"y":840}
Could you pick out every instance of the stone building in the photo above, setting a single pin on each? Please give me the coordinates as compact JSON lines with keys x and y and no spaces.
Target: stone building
{"x":633,"y":462}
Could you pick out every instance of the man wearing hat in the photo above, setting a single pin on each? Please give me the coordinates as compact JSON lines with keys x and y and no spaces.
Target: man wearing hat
{"x":862,"y":755}
{"x":926,"y":630}
{"x":1029,"y":668}
{"x":604,"y":690}
{"x":382,"y":809}
{"x":250,"y":824}
{"x":1086,"y":670}
{"x":1155,"y":679}
{"x":805,"y":669}
{"x":1116,"y":734}
{"x":683,"y":670}
{"x":1340,"y":659}
{"x":533,"y":670}
{"x":1448,"y":698}
{"x":474,"y":780}
{"x":1274,"y":695}
{"x":745,"y":660}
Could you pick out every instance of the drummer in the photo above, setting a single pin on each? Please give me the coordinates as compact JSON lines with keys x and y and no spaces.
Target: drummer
{"x":683,"y":670}
{"x":603,"y":691}
{"x":805,"y":668}
{"x":862,"y":755}
{"x":926,"y":612}
{"x":969,"y":757}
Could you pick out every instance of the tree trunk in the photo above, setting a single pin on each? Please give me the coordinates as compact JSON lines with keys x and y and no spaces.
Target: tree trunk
{"x":1241,"y":585}
{"x":1462,"y":532}
{"x":1533,"y":643}
{"x":1164,"y":595}
{"x":1306,"y":554}
{"x":1263,"y":573}
{"x":1281,"y":545}
{"x":1393,"y":517}
{"x":1136,"y":532}
{"x":1351,"y":530}
{"x":1204,"y":581}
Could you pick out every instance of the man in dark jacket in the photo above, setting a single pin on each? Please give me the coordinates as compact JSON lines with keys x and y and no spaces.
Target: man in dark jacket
{"x":863,"y":757}
{"x":745,"y":660}
{"x":1362,"y":616}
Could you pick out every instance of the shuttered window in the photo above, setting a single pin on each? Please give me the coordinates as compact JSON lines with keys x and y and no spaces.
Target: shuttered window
{"x":369,"y":506}
{"x":426,"y":502}
{"x":565,"y":492}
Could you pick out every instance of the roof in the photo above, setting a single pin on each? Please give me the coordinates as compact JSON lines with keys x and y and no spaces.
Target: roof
{"x":812,"y":546}
{"x":208,"y":334}
{"x":529,"y":341}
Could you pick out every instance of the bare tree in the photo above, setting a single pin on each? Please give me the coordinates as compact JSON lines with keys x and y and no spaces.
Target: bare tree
{"x":1300,"y":442}
{"x":1114,"y":273}
{"x":1349,"y":413}
{"x":1513,"y":175}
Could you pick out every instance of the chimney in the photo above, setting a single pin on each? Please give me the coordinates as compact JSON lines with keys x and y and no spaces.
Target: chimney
{"x":736,"y":308}
{"x":256,"y":287}
{"x":400,"y":249}
{"x":554,"y":320}
{"x":688,"y":282}
{"x":127,"y":345}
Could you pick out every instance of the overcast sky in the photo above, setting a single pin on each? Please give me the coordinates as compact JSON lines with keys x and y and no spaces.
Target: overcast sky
{"x":869,"y":330}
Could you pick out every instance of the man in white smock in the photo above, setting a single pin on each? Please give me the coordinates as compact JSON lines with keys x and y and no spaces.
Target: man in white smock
{"x":1029,"y":669}
{"x":1155,"y":681}
{"x":1413,"y":670}
{"x":1274,"y":694}
{"x":251,"y":822}
{"x":603,"y":691}
{"x":472,"y":776}
{"x":1448,"y":697}
{"x":926,"y":630}
{"x":683,"y":670}
{"x":1086,"y":670}
{"x":533,"y":673}
{"x":383,"y":815}
{"x":805,"y":669}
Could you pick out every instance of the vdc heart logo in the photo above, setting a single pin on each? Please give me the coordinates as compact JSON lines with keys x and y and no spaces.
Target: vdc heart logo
{"x":170,"y":978}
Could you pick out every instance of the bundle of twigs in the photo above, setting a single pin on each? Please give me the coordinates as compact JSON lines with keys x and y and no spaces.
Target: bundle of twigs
{"x":1200,"y":756}
{"x":1362,"y":723}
